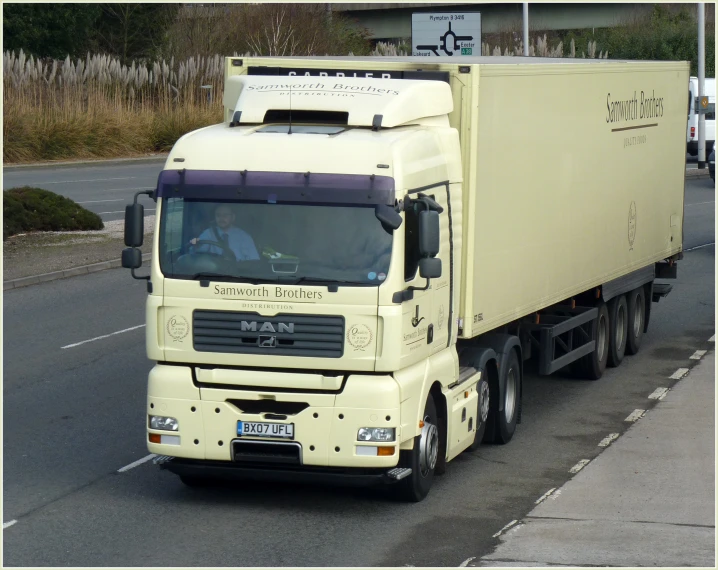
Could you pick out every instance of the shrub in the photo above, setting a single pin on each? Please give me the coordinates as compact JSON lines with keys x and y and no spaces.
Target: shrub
{"x":29,"y":209}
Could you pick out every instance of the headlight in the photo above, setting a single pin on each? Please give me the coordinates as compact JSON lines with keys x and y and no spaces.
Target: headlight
{"x":375,"y":434}
{"x":164,"y":423}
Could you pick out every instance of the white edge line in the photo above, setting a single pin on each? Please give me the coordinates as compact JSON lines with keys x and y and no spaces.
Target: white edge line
{"x":465,"y":563}
{"x":698,"y":354}
{"x":712,"y":339}
{"x":678,"y":374}
{"x":580,"y":465}
{"x":545,"y":495}
{"x":635,"y":415}
{"x":658,"y":394}
{"x":136,"y":463}
{"x":606,"y":441}
{"x":700,"y":246}
{"x":8,"y":524}
{"x":508,"y":526}
{"x":100,"y":201}
{"x":101,"y":337}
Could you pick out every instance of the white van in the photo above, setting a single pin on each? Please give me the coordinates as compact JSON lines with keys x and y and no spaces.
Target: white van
{"x":693,"y":106}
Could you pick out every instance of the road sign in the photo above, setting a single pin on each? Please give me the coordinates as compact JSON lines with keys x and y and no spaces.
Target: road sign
{"x":446,"y":33}
{"x":704,"y":102}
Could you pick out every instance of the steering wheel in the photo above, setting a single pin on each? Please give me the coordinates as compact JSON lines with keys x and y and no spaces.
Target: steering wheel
{"x":226,"y":253}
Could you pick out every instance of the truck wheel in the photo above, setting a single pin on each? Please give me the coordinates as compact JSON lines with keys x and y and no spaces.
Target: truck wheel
{"x":502,"y":423}
{"x":636,"y":313}
{"x":422,"y":459}
{"x":592,"y":365}
{"x":482,"y":412}
{"x":618,"y":326}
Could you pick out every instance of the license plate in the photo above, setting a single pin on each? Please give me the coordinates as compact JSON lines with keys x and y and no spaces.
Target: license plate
{"x":265,"y":429}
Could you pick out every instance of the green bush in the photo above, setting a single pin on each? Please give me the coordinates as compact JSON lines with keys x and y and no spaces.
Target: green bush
{"x":29,"y":209}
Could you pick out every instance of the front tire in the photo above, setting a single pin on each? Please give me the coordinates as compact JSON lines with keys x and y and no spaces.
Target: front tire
{"x":618,"y":326}
{"x":422,"y":459}
{"x":636,"y":320}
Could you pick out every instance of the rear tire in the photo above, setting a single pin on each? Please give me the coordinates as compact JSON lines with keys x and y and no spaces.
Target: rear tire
{"x":618,"y":326}
{"x":636,"y":320}
{"x":592,"y":365}
{"x":501,"y":424}
{"x":482,"y":410}
{"x":422,"y":459}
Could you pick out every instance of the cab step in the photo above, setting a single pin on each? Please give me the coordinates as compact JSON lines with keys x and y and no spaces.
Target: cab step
{"x":399,"y":473}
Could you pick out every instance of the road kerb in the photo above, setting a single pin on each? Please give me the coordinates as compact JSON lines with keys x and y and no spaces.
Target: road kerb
{"x":72,"y":272}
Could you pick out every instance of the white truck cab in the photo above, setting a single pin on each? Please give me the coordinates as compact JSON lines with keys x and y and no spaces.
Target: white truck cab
{"x":693,"y":115}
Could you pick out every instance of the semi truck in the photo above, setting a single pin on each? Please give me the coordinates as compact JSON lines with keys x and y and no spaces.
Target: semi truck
{"x":352,"y":272}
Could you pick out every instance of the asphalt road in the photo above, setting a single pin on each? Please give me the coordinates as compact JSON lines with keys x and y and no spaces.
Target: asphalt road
{"x":74,"y":416}
{"x":103,"y":189}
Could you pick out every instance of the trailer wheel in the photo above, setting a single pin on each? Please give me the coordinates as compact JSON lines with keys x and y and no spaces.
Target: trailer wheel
{"x":503,"y":422}
{"x":422,"y":459}
{"x":618,"y":326}
{"x":482,"y":412}
{"x":593,"y":364}
{"x":636,"y":318}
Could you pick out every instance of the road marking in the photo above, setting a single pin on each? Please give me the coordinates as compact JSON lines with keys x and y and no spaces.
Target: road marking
{"x":698,"y":354}
{"x":8,"y":524}
{"x":508,"y":526}
{"x":101,"y":337}
{"x":136,"y":463}
{"x":580,"y":465}
{"x":712,"y":339}
{"x":700,"y":246}
{"x":465,"y":563}
{"x":678,"y":374}
{"x":635,"y":415}
{"x":606,"y":441}
{"x":545,"y":495}
{"x":98,"y":201}
{"x":700,"y":203}
{"x":658,"y":394}
{"x":75,"y":181}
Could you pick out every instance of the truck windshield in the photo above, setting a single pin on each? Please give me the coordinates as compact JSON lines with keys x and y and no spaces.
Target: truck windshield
{"x":273,"y":242}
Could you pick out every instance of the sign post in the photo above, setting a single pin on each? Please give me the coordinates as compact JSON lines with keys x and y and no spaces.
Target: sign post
{"x":446,"y":34}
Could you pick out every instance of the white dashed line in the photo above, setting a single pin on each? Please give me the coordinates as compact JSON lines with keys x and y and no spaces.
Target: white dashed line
{"x":94,"y":180}
{"x":101,"y":337}
{"x":712,"y":339}
{"x":136,"y":463}
{"x":508,"y":526}
{"x":100,"y":201}
{"x":580,"y":465}
{"x":658,"y":394}
{"x":606,"y":441}
{"x":698,"y":354}
{"x":700,"y":246}
{"x":122,"y":211}
{"x":678,"y":374}
{"x":545,"y":495}
{"x":8,"y":524}
{"x":635,"y":415}
{"x":465,"y":563}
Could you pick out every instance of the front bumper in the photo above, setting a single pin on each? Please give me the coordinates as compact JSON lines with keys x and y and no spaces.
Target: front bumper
{"x":325,"y":424}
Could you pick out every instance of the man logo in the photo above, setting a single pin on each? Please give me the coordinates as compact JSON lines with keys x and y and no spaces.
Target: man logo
{"x":267,"y":342}
{"x":267,"y":327}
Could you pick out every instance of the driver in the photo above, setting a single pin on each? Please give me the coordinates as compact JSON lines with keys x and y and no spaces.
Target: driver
{"x":224,"y":232}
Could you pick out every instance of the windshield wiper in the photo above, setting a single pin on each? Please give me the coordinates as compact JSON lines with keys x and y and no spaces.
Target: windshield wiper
{"x":209,"y":276}
{"x":317,"y":281}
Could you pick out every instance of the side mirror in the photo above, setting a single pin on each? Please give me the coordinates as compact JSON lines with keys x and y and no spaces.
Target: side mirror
{"x":430,"y":268}
{"x":134,"y":225}
{"x":131,"y":258}
{"x":429,"y":234}
{"x":388,"y":216}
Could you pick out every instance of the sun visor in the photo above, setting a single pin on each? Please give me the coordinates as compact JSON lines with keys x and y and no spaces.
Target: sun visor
{"x":368,"y":102}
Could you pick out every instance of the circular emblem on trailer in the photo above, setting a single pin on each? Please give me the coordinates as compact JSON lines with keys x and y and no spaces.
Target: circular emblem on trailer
{"x":359,"y":336}
{"x":632,"y":224}
{"x":177,"y":327}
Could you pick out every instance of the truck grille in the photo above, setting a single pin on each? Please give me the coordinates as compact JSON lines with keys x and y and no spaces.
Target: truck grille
{"x":281,"y":335}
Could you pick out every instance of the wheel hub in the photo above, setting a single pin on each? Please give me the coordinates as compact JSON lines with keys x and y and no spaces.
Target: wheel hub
{"x":428,"y":447}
